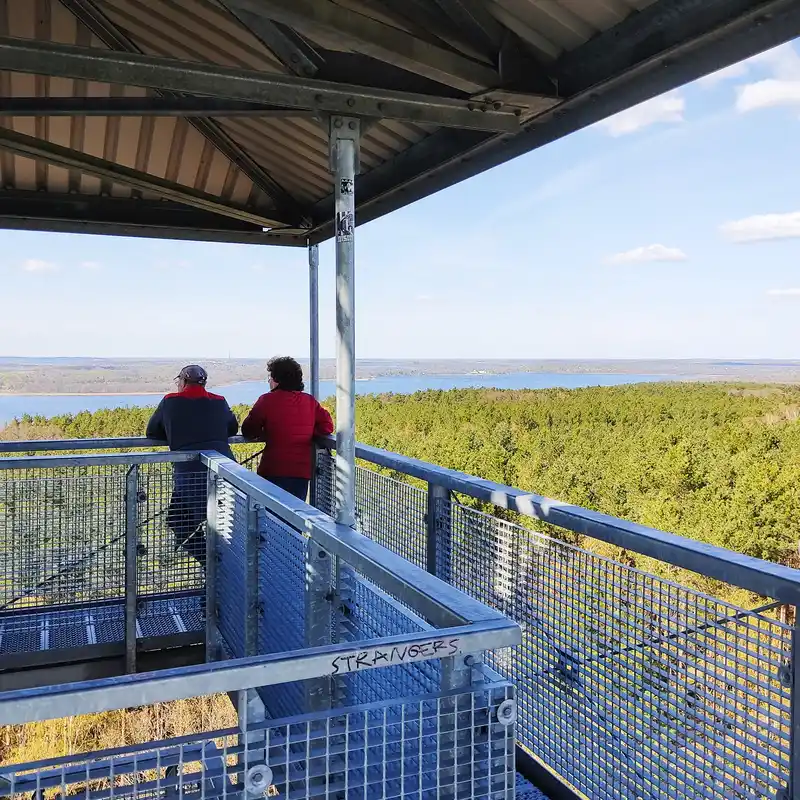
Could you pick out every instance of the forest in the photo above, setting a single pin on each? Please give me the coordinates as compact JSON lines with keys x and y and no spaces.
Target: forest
{"x":715,"y":462}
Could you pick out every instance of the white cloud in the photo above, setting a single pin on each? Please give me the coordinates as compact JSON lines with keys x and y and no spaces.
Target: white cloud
{"x":38,"y":265}
{"x":90,"y":265}
{"x":667,"y":108}
{"x":763,"y":227}
{"x":768,"y":93}
{"x":793,"y":292}
{"x":650,"y":253}
{"x":424,"y":298}
{"x":774,"y":79}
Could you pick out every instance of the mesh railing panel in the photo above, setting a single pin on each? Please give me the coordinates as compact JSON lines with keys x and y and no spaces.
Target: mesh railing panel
{"x":62,"y":537}
{"x":171,"y":514}
{"x":447,"y":746}
{"x":62,"y":557}
{"x":325,"y":483}
{"x":372,"y":614}
{"x":281,"y":600}
{"x":392,"y":513}
{"x":231,"y":567}
{"x":630,"y":685}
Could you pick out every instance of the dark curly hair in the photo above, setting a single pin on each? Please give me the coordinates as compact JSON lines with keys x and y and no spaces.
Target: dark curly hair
{"x":287,"y":373}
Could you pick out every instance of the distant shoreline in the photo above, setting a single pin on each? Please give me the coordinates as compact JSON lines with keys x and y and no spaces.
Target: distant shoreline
{"x":79,"y":394}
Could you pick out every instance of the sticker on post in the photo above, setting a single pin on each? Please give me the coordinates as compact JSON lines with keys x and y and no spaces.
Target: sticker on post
{"x":346,"y":186}
{"x":392,"y":656}
{"x":345,"y":224}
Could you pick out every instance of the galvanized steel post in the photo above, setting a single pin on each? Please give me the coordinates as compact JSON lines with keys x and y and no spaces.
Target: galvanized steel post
{"x":131,"y":554}
{"x":313,"y":313}
{"x":211,"y":568}
{"x":459,"y":676}
{"x":319,"y":596}
{"x":251,"y":580}
{"x":344,"y":153}
{"x":438,"y":533}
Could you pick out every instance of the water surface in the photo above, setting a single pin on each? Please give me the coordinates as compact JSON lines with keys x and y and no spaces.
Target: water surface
{"x":12,"y":406}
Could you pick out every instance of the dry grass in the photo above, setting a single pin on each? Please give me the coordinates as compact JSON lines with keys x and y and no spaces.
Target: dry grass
{"x":73,"y":735}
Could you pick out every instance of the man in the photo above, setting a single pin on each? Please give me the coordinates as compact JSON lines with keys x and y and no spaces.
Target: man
{"x":192,"y":419}
{"x":288,"y":420}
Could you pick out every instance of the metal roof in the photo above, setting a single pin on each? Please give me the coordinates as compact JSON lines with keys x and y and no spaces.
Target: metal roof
{"x":203,"y":119}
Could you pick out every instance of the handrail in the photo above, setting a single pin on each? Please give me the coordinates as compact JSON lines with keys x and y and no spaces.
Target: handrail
{"x":756,"y":575}
{"x":221,"y":677}
{"x":108,"y":443}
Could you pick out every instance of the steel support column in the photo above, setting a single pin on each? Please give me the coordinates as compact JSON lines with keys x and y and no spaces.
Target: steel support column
{"x":313,"y":311}
{"x":211,"y":567}
{"x":131,"y":553}
{"x":344,"y":151}
{"x":319,"y":595}
{"x":313,"y":324}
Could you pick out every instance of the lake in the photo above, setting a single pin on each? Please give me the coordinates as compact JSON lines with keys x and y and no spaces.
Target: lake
{"x":12,"y":406}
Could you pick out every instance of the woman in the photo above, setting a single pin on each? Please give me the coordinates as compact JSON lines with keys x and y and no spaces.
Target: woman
{"x":287,"y":419}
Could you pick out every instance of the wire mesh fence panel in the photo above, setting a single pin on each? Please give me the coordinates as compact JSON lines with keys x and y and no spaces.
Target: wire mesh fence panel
{"x":392,"y":513}
{"x":631,"y":685}
{"x":62,"y":547}
{"x":232,"y":512}
{"x":281,"y":601}
{"x":325,"y":483}
{"x":389,"y":511}
{"x":436,"y":746}
{"x":63,"y":534}
{"x":248,"y":455}
{"x":61,"y":537}
{"x":171,"y":516}
{"x":367,"y":612}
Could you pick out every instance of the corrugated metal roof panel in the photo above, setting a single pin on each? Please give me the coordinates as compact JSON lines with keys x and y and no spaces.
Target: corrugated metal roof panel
{"x":166,"y":147}
{"x":463,"y":49}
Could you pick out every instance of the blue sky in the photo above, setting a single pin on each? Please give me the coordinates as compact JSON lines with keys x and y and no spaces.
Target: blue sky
{"x":672,"y":230}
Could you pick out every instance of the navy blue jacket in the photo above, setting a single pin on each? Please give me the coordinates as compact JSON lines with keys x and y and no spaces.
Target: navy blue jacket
{"x":194,"y":419}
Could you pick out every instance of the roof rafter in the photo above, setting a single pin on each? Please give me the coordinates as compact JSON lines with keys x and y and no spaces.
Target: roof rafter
{"x":41,"y":150}
{"x":475,"y":20}
{"x":377,"y":39}
{"x":88,"y":13}
{"x":150,"y":231}
{"x":295,"y":54}
{"x":84,"y":63}
{"x":124,"y":216}
{"x":174,"y":106}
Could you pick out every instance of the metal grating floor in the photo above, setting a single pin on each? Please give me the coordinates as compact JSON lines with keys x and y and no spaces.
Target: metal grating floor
{"x":68,"y":628}
{"x":526,"y":791}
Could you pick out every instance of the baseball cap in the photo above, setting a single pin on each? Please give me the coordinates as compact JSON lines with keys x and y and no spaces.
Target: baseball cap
{"x":193,"y":374}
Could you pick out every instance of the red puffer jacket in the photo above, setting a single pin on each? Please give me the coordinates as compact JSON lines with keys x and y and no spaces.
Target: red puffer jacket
{"x":287,"y":422}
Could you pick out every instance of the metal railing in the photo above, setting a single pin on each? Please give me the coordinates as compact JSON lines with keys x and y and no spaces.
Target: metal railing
{"x":88,"y":567}
{"x":631,"y":683}
{"x":357,"y":674}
